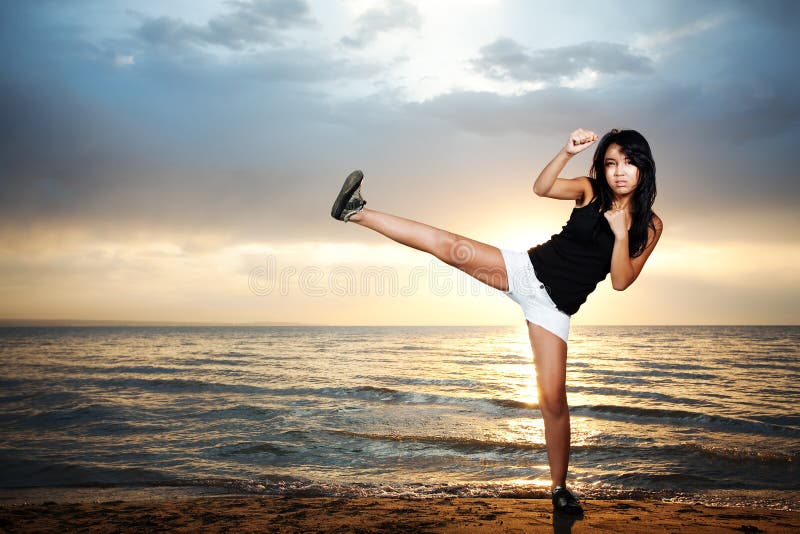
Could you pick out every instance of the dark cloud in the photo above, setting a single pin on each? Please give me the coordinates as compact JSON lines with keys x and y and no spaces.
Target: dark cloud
{"x":394,"y":15}
{"x":540,"y":112}
{"x":507,"y":59}
{"x":249,"y":23}
{"x":783,"y":14}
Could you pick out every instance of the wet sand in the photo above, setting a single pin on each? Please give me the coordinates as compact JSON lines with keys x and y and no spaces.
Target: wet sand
{"x":398,"y":515}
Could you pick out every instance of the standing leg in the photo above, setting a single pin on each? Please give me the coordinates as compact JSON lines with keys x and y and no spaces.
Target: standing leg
{"x":550,"y":359}
{"x":479,"y":260}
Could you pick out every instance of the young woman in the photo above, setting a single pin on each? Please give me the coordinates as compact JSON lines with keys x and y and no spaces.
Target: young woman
{"x":612,"y":229}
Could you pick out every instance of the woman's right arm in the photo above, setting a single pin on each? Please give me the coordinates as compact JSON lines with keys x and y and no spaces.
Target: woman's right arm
{"x":548,"y":184}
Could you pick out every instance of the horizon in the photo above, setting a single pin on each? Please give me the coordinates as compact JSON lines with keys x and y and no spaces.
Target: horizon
{"x":6,"y":323}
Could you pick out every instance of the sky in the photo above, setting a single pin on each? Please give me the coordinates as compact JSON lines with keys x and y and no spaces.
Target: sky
{"x":176,"y":161}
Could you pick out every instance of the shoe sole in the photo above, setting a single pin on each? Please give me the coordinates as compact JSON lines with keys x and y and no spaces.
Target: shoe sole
{"x":352,"y":183}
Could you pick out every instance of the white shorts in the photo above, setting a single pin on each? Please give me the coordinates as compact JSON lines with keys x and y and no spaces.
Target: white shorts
{"x":527,"y":291}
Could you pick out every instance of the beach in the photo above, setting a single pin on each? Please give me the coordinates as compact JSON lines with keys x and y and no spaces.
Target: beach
{"x":364,"y":515}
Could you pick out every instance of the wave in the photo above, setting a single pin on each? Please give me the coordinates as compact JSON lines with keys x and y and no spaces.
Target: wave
{"x":168,"y":385}
{"x":91,"y":418}
{"x":292,"y":486}
{"x":241,"y":411}
{"x":414,"y":381}
{"x":621,"y":392}
{"x":740,"y":454}
{"x":461,"y":444}
{"x":100,"y":419}
{"x":395,"y":396}
{"x":515,"y":404}
{"x":680,"y":366}
{"x":40,"y":398}
{"x":650,"y":374}
{"x":678,"y":480}
{"x":470,"y":445}
{"x":188,"y":363}
{"x":662,"y":488}
{"x":119,"y":369}
{"x":679,"y":416}
{"x":251,"y":448}
{"x":779,"y":366}
{"x":62,"y":409}
{"x":384,"y":394}
{"x":22,"y":473}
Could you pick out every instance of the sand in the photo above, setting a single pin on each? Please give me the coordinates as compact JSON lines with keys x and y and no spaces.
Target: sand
{"x":396,"y":515}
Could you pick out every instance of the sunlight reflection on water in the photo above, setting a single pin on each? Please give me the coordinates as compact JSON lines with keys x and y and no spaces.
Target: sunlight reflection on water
{"x":710,"y":408}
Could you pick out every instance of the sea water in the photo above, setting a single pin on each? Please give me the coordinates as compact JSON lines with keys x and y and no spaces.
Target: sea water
{"x":703,"y":413}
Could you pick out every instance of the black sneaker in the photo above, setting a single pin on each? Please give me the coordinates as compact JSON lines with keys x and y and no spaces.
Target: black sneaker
{"x":565,"y":502}
{"x":349,"y":201}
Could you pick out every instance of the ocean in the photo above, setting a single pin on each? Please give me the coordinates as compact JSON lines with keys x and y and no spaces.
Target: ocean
{"x":698,"y":413}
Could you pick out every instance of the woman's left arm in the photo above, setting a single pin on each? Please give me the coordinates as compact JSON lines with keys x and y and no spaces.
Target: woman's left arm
{"x":624,"y":269}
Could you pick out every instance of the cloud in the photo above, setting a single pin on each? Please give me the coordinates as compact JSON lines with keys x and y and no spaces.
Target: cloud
{"x":506,"y":59}
{"x":541,"y":112}
{"x":249,"y":23}
{"x":655,"y":41}
{"x":123,"y":60}
{"x":392,"y":16}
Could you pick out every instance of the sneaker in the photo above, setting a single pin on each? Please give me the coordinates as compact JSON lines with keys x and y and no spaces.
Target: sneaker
{"x":565,"y":502}
{"x":349,"y":201}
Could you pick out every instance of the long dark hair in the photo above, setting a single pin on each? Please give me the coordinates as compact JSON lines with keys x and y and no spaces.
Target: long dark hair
{"x":637,"y":150}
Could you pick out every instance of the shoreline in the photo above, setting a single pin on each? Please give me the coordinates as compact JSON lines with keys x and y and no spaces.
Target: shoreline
{"x":762,"y":499}
{"x":258,"y":513}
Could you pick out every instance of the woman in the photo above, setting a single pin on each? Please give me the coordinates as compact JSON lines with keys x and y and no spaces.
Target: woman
{"x":612,"y":229}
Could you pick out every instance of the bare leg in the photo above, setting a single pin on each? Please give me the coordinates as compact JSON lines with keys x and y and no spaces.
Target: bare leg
{"x":479,"y":260}
{"x":550,"y":358}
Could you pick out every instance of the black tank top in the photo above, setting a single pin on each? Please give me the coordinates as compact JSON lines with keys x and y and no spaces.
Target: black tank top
{"x":572,"y":263}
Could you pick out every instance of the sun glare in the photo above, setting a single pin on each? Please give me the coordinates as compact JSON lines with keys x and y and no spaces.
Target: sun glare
{"x":537,"y":482}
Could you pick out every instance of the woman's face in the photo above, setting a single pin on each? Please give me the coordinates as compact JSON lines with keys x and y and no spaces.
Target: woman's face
{"x":622,"y":175}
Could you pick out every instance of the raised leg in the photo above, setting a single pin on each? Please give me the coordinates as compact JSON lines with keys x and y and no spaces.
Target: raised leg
{"x":479,"y":260}
{"x":550,"y":359}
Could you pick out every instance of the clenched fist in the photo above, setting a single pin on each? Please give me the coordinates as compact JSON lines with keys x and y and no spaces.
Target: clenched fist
{"x":580,"y":140}
{"x":619,"y":221}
